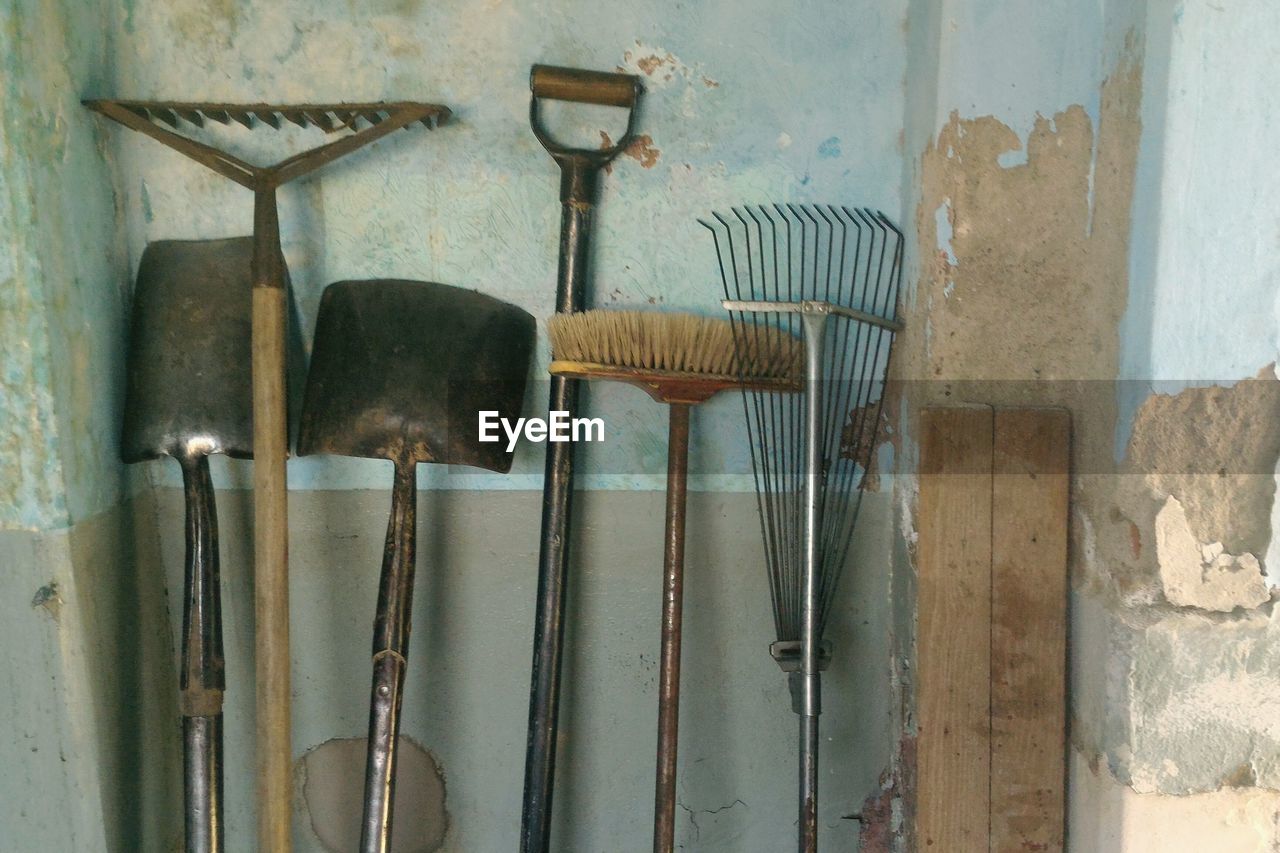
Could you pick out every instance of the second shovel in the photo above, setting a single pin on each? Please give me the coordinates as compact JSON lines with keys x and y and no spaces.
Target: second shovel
{"x":400,"y":371}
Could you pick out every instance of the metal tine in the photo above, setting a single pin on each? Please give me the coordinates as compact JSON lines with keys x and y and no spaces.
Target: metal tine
{"x":821,"y":287}
{"x":794,"y":436}
{"x":844,"y":464}
{"x":784,"y":442}
{"x":192,"y":116}
{"x":268,"y":117}
{"x":244,"y":117}
{"x":344,"y":118}
{"x":138,"y":110}
{"x":297,"y":117}
{"x":839,"y":387}
{"x":762,"y":414}
{"x":165,"y":115}
{"x":755,"y":284}
{"x":750,"y":403}
{"x":320,"y":119}
{"x":220,"y":116}
{"x":781,"y":405}
{"x":846,"y":472}
{"x":873,"y":359}
{"x":372,"y":116}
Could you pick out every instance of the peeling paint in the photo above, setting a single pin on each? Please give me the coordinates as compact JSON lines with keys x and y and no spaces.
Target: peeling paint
{"x":1204,"y":576}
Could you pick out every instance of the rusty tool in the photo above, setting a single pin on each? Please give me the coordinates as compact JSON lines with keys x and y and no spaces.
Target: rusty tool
{"x":579,"y":173}
{"x":400,"y":370}
{"x":805,"y":268}
{"x":188,"y":395}
{"x":680,"y":360}
{"x":367,"y":123}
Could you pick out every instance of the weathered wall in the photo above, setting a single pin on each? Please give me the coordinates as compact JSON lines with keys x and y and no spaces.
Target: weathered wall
{"x":87,"y":731}
{"x":744,"y":103}
{"x":1082,"y":243}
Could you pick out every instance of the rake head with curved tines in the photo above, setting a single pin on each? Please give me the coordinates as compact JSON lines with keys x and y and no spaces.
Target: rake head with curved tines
{"x":849,"y":258}
{"x":795,"y":268}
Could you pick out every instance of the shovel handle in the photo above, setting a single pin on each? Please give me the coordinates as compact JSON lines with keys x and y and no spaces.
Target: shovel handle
{"x":390,"y":652}
{"x":202,"y":679}
{"x":604,"y":88}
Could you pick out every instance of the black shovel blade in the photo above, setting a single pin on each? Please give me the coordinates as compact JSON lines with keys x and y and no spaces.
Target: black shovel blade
{"x":400,"y":370}
{"x":189,"y":389}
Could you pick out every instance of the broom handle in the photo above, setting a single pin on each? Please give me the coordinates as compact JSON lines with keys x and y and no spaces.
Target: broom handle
{"x":664,"y":806}
{"x":271,"y":531}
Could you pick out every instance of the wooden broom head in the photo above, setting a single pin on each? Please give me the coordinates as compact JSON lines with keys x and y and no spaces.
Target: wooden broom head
{"x":676,"y":357}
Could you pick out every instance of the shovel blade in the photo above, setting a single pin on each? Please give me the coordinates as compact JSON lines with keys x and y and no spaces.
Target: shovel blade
{"x":189,"y":389}
{"x":400,"y":370}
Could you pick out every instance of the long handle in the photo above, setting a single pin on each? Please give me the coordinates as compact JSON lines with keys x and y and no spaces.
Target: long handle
{"x":390,"y":654}
{"x":664,"y":806}
{"x":577,"y":197}
{"x":810,"y":693}
{"x":203,"y":679}
{"x":271,"y":531}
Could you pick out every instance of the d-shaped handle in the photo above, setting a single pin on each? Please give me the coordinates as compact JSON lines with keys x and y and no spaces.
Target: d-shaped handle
{"x":603,"y":88}
{"x":585,"y":87}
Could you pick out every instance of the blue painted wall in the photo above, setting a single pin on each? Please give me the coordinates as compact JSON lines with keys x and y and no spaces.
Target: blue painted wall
{"x":744,"y":103}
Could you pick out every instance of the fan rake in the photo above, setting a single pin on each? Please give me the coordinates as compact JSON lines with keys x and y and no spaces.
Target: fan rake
{"x":797,"y":268}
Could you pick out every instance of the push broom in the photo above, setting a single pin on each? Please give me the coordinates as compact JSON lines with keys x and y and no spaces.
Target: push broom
{"x":355,"y":126}
{"x":680,"y":360}
{"x":833,"y":274}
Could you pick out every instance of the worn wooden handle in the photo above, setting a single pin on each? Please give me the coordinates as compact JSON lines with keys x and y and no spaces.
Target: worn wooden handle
{"x":271,"y":570}
{"x":586,"y":87}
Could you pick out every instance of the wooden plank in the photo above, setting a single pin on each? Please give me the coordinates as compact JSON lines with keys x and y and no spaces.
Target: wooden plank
{"x":953,"y":672}
{"x":1030,"y":494}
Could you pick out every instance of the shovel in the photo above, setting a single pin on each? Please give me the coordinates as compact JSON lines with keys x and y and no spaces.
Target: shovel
{"x":189,"y":394}
{"x":401,"y":370}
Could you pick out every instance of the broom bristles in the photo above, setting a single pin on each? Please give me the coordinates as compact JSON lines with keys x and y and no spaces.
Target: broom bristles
{"x":672,"y":342}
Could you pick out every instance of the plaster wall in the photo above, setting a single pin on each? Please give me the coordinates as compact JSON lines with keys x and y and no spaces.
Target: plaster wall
{"x":1082,"y":243}
{"x":745,"y":102}
{"x":466,"y":699}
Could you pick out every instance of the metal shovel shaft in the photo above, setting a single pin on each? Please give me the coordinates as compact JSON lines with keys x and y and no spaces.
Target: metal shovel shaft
{"x":390,"y":652}
{"x":577,"y":186}
{"x":203,"y":679}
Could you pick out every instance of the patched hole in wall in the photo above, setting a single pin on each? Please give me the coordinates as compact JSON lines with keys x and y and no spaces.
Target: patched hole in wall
{"x":333,"y":792}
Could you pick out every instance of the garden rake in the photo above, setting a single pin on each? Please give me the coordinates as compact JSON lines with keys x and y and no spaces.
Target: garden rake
{"x":797,"y":268}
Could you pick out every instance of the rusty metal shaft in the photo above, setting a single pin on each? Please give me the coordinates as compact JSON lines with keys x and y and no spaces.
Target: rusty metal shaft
{"x":390,"y":652}
{"x":664,"y":807}
{"x":202,"y":679}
